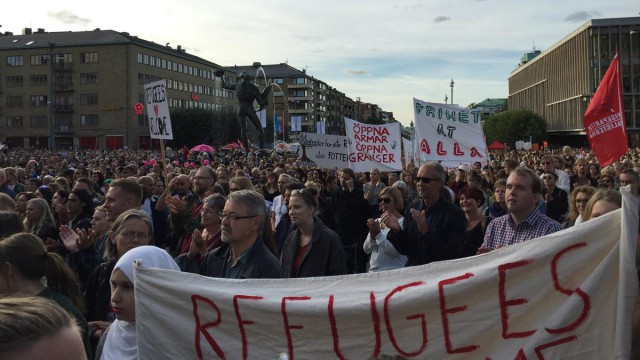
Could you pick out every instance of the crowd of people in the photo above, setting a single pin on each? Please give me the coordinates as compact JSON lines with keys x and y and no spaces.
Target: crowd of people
{"x":79,"y":218}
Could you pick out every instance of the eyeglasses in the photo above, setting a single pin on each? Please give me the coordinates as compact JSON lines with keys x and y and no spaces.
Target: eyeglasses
{"x":209,"y":212}
{"x":129,"y":235}
{"x":299,"y":192}
{"x":384,"y":200}
{"x":426,"y":180}
{"x":233,"y":217}
{"x":545,"y":162}
{"x":201,"y":177}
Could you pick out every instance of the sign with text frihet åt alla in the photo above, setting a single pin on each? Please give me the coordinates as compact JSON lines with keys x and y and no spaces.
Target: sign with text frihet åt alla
{"x":568,"y":295}
{"x":448,"y":133}
{"x":157,"y":101}
{"x":373,"y":146}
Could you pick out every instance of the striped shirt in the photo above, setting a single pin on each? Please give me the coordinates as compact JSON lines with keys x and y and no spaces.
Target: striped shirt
{"x":502,"y":231}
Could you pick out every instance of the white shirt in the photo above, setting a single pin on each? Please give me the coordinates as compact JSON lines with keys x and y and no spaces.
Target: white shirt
{"x":279,"y":208}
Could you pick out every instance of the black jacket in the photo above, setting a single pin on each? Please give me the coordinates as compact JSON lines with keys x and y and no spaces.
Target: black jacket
{"x":323,"y":257}
{"x":443,"y":240}
{"x":350,"y":210}
{"x":260,"y":263}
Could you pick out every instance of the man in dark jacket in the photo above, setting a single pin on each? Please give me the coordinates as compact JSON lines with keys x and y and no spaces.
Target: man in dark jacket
{"x":433,"y":227}
{"x":243,"y":254}
{"x":350,"y":210}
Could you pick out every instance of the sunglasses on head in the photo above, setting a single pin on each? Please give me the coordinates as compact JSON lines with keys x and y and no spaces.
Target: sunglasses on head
{"x":425,"y":179}
{"x":384,"y":200}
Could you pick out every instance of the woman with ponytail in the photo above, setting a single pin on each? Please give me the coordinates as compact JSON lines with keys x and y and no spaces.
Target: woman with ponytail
{"x":25,"y":263}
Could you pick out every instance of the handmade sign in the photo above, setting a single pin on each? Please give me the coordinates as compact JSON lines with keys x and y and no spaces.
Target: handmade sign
{"x":373,"y":146}
{"x":569,"y":295}
{"x":448,"y":133}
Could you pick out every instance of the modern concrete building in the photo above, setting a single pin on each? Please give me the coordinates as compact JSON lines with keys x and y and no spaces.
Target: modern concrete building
{"x":489,"y":106}
{"x":559,"y":83}
{"x":79,"y":89}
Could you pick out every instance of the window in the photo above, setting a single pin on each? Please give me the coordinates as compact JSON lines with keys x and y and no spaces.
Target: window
{"x":14,"y":60}
{"x":14,"y":81}
{"x":278,"y":81}
{"x":38,"y":100}
{"x":88,"y":57}
{"x":164,"y":63}
{"x":143,"y":120}
{"x":88,"y":78}
{"x":39,"y":80}
{"x":38,"y":121}
{"x":140,"y":79}
{"x":37,"y":60}
{"x":299,"y":81}
{"x":90,"y":120}
{"x":65,"y":58}
{"x":139,"y":58}
{"x":179,"y":67}
{"x":89,"y":99}
{"x":14,"y":102}
{"x":15,"y":122}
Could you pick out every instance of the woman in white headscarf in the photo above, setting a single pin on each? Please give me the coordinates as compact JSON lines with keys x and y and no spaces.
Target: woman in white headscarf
{"x":120,"y":340}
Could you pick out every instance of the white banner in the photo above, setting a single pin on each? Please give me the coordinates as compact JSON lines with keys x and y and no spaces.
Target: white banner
{"x":262,"y":115}
{"x":296,"y":123}
{"x":448,"y":133}
{"x":373,"y":146}
{"x":569,"y":295}
{"x":325,"y":151}
{"x":155,"y":95}
{"x":408,"y":151}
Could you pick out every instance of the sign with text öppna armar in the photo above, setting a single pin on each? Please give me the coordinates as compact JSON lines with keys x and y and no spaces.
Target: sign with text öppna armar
{"x":373,"y":146}
{"x":448,"y":133}
{"x":568,"y":295}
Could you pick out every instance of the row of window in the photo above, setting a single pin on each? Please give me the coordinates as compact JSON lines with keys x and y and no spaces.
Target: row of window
{"x":17,"y":122}
{"x":161,"y":63}
{"x":35,"y":60}
{"x":41,"y":79}
{"x":186,"y":86}
{"x":14,"y":102}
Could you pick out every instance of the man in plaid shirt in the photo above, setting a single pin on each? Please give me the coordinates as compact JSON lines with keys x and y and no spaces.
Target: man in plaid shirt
{"x":524,"y":221}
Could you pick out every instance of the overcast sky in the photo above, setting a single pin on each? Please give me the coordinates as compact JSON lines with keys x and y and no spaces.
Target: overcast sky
{"x":385,"y":52}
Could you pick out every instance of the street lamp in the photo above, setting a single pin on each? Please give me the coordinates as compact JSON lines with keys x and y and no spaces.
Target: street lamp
{"x":451,"y":90}
{"x":50,"y":56}
{"x":413,"y":154}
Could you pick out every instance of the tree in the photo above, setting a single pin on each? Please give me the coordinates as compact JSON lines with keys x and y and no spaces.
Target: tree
{"x":513,"y":125}
{"x":196,"y":126}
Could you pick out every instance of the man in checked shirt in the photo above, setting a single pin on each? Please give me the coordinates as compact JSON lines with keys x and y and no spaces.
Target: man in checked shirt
{"x":524,"y":221}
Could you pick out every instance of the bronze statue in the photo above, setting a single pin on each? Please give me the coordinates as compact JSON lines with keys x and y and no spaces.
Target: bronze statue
{"x":247,"y":93}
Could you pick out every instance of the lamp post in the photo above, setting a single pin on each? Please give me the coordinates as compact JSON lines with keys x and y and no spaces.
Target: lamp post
{"x":451,"y":84}
{"x":413,"y":153}
{"x":49,"y":56}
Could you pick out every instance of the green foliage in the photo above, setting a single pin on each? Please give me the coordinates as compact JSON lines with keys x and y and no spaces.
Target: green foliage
{"x":513,"y":125}
{"x":196,"y":126}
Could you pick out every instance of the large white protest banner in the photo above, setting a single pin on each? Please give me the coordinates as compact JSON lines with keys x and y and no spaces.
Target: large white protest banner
{"x":155,"y":95}
{"x":448,"y":133}
{"x":569,"y":295}
{"x":325,"y":151}
{"x":374,"y":146}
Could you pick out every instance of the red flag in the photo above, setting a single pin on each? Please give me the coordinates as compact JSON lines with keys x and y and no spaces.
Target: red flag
{"x":604,"y":118}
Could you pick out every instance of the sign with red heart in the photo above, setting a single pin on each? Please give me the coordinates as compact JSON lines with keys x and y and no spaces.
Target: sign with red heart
{"x":155,"y":94}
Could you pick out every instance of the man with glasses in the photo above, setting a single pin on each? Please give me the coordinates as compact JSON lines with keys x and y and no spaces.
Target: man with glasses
{"x":434,"y":228}
{"x":556,"y":199}
{"x":563,"y":182}
{"x":628,"y":177}
{"x":243,"y":254}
